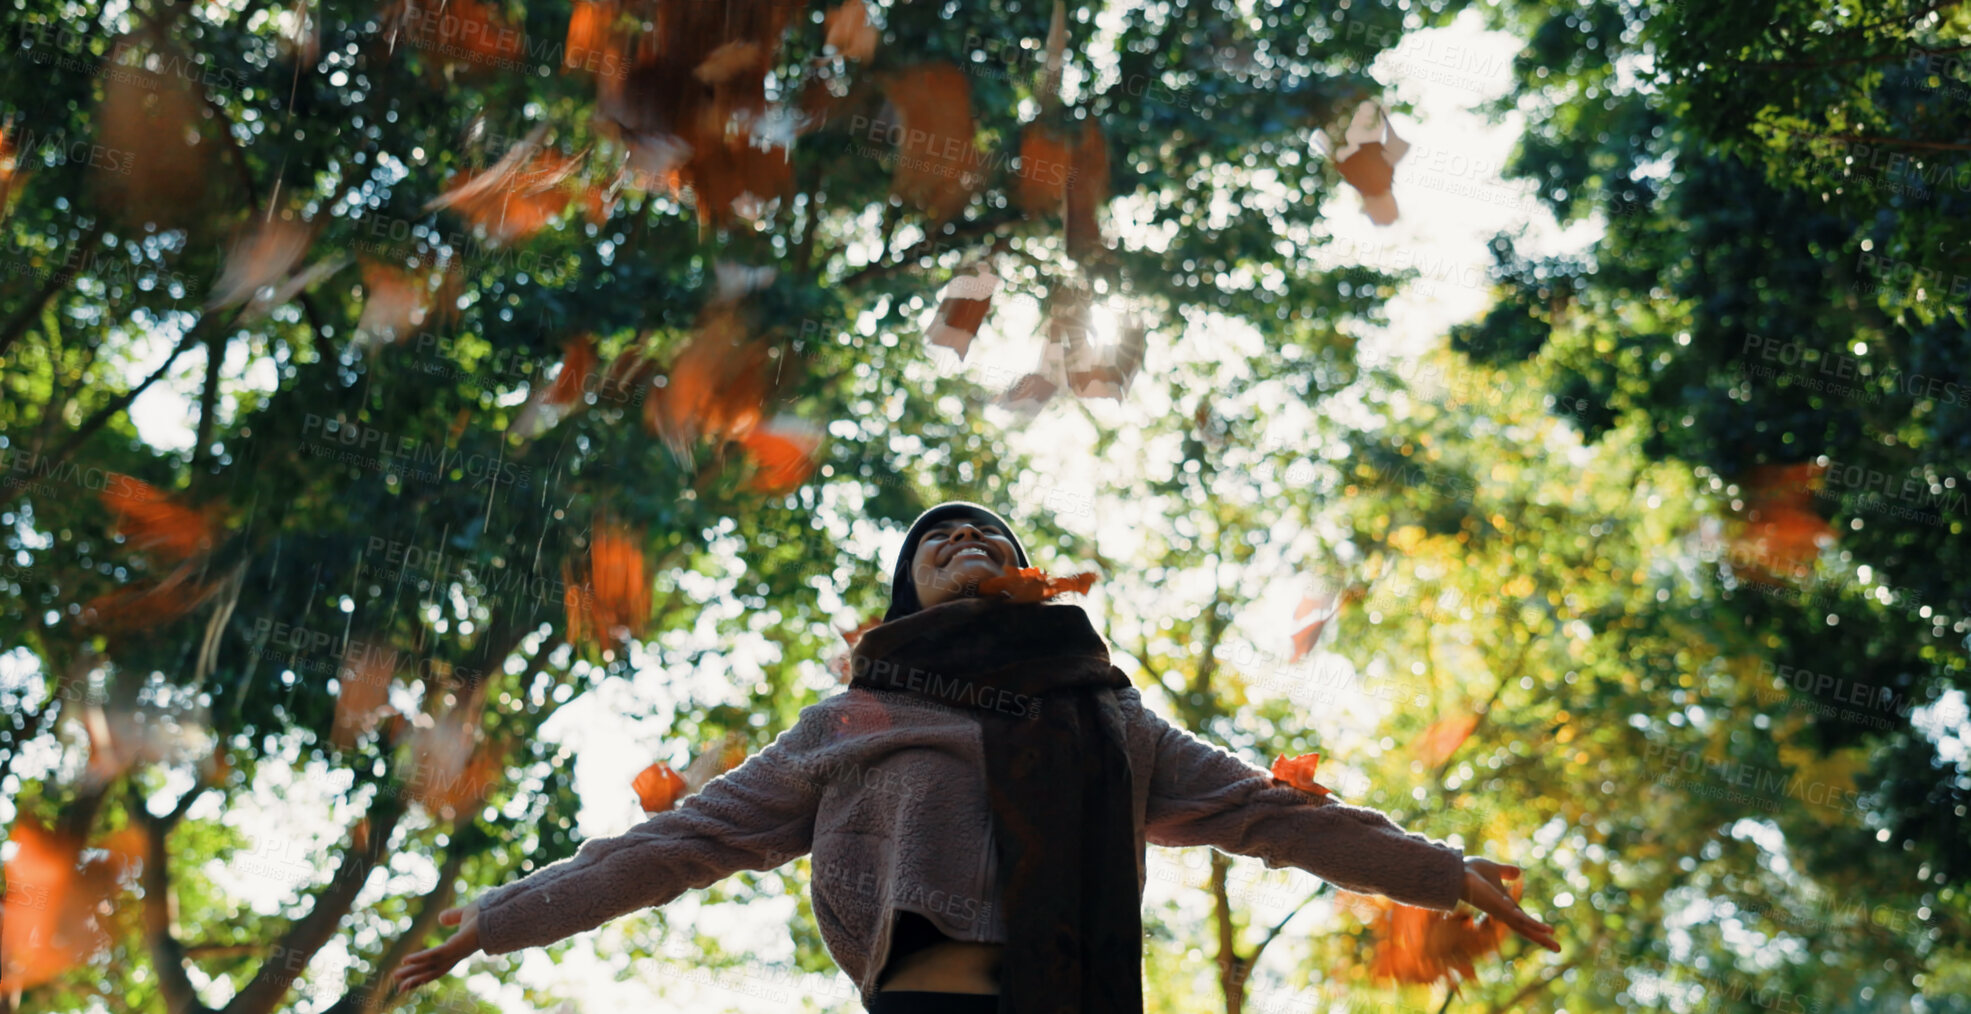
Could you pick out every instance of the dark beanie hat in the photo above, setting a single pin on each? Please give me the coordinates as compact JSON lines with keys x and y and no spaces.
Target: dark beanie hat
{"x":903,"y":590}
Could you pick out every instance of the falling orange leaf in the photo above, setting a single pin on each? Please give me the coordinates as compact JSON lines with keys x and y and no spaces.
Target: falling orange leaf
{"x":937,"y":167}
{"x":1066,"y":338}
{"x":123,"y":738}
{"x":1106,"y":370}
{"x":265,"y":253}
{"x":451,"y":774}
{"x":517,"y":195}
{"x":158,"y":115}
{"x":593,"y":44}
{"x":143,"y":605}
{"x":362,"y":692}
{"x":658,"y":788}
{"x":713,"y":761}
{"x":49,"y":917}
{"x":1366,"y":157}
{"x":1088,"y":189}
{"x":395,"y":303}
{"x":782,"y":452}
{"x":148,"y":518}
{"x":1028,"y":584}
{"x":1443,"y":738}
{"x":1299,"y":772}
{"x":839,"y":662}
{"x":717,"y":387}
{"x":551,"y":403}
{"x":962,"y":311}
{"x":616,"y":597}
{"x":1046,"y":160}
{"x":12,"y":178}
{"x":850,"y":32}
{"x":1422,"y":945}
{"x":628,"y":378}
{"x":1317,"y":612}
{"x":577,"y":361}
{"x":1781,"y":534}
{"x":730,"y":59}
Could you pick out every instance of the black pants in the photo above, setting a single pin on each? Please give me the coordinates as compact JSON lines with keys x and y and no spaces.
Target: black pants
{"x":919,"y":1002}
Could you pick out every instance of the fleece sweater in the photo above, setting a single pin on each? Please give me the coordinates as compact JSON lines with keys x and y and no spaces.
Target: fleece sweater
{"x":887,"y":794}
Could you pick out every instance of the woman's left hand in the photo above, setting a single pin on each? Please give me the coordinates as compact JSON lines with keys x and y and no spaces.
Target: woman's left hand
{"x":1485,"y":890}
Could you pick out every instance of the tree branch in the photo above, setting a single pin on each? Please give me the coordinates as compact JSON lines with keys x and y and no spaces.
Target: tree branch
{"x":1231,"y":978}
{"x":310,"y":933}
{"x":168,"y":955}
{"x":17,"y":324}
{"x":103,"y":415}
{"x":1282,"y":924}
{"x":1518,"y":1000}
{"x":374,"y":994}
{"x":208,"y":398}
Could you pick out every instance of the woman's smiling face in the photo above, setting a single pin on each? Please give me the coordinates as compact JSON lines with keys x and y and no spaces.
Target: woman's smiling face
{"x":954,"y":555}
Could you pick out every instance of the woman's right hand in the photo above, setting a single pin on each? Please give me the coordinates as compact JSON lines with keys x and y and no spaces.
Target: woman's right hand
{"x":434,"y":962}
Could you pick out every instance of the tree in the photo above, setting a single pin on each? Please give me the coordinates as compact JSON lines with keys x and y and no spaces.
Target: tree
{"x":450,"y":283}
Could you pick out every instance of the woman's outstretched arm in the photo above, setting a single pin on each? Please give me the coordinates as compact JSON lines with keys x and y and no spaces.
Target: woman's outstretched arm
{"x":754,"y":817}
{"x":1201,"y":795}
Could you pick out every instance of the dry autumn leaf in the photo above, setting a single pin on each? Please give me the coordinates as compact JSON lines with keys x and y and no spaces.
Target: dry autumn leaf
{"x":1782,"y":534}
{"x":849,"y":31}
{"x":123,"y":738}
{"x":1087,"y":190}
{"x":937,"y":167}
{"x":839,"y":662}
{"x":718,"y":386}
{"x":1311,"y":617}
{"x":658,"y":788}
{"x":1046,"y":160}
{"x":264,"y":255}
{"x":450,"y":773}
{"x":517,"y":195}
{"x":159,"y":115}
{"x":1025,"y":585}
{"x":144,"y":605}
{"x":1366,"y":156}
{"x":782,"y":452}
{"x":1421,"y":945}
{"x":12,"y":178}
{"x":50,"y":914}
{"x":549,"y":403}
{"x":153,"y":522}
{"x":1443,"y":738}
{"x":395,"y":304}
{"x":594,"y":45}
{"x":1107,"y":370}
{"x":1066,"y":342}
{"x":1034,"y":390}
{"x":962,"y":311}
{"x":715,"y":760}
{"x":737,"y":57}
{"x":362,"y":692}
{"x":614,"y":600}
{"x":1299,"y":773}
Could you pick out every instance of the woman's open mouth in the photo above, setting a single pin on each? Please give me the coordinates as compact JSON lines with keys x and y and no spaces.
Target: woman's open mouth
{"x":968,"y":552}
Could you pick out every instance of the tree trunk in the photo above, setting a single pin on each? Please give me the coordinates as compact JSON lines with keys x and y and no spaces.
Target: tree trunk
{"x":308,"y":934}
{"x":1231,"y":970}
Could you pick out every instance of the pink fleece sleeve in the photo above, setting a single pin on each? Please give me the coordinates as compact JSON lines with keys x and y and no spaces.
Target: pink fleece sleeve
{"x":1201,"y":795}
{"x":754,"y":817}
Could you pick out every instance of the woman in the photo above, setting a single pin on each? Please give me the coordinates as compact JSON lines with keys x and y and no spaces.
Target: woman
{"x":976,"y":805}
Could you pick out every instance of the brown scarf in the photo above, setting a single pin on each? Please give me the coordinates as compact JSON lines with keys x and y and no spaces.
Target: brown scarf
{"x":1039,"y":681}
